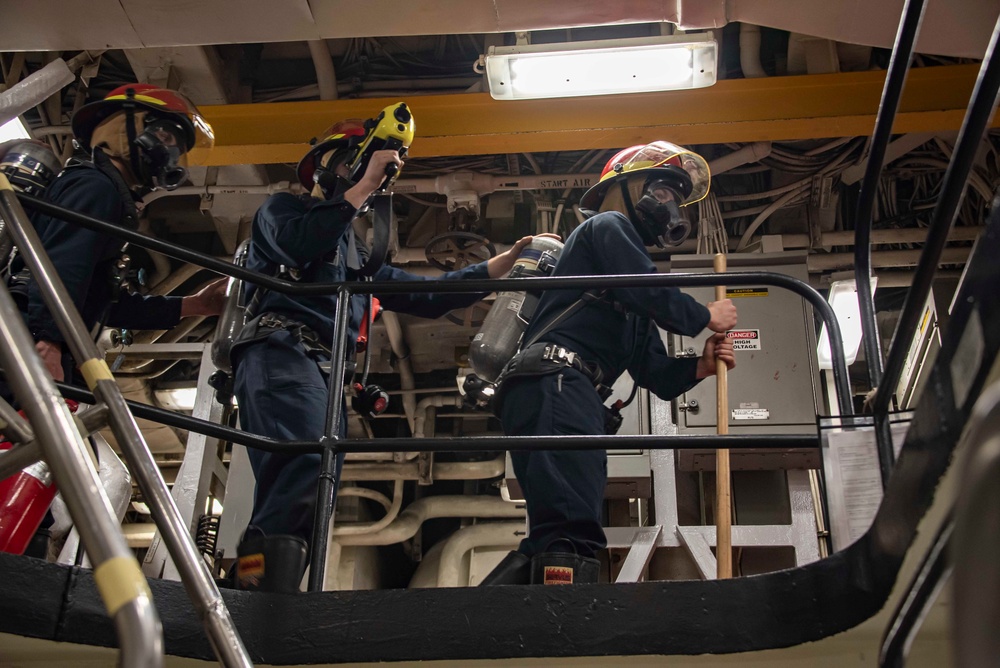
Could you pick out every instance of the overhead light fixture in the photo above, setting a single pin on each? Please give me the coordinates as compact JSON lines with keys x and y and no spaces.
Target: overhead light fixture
{"x":14,"y":129}
{"x":601,"y":67}
{"x":844,"y":300}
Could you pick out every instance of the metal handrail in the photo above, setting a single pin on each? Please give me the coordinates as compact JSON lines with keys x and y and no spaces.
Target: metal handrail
{"x":331,"y":443}
{"x":899,"y":64}
{"x":117,"y":574}
{"x":195,"y":575}
{"x":892,"y":92}
{"x":823,"y":308}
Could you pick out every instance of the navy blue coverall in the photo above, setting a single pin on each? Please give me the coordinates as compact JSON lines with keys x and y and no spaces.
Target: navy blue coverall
{"x":564,"y":490}
{"x":84,"y":260}
{"x":281,"y":390}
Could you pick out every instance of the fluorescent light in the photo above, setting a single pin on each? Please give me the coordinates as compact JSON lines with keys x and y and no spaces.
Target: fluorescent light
{"x":601,"y":67}
{"x":844,"y":300}
{"x":14,"y":129}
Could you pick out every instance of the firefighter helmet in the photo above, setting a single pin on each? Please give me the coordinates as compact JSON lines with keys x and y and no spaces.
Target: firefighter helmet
{"x":163,"y":102}
{"x":687,"y":171}
{"x":340,"y":135}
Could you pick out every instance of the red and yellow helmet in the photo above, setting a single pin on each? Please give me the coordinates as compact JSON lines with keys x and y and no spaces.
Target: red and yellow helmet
{"x":687,"y":170}
{"x":162,"y":101}
{"x":337,"y":136}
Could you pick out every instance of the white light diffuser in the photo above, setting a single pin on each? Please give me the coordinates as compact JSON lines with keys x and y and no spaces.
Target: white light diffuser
{"x":844,"y":300}
{"x":601,"y":67}
{"x":13,"y":129}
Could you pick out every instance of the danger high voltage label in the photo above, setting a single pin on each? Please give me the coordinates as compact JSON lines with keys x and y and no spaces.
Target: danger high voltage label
{"x":733,"y":293}
{"x":744,"y":339}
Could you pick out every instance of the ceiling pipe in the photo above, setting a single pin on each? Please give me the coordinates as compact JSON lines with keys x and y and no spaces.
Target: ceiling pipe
{"x":750,"y":52}
{"x":326,"y":77}
{"x":753,"y":152}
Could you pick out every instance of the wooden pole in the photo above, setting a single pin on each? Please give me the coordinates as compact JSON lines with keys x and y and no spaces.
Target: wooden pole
{"x":723,"y":497}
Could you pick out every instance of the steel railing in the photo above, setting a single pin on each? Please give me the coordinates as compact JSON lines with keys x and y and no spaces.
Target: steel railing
{"x":331,"y":445}
{"x":122,"y":579}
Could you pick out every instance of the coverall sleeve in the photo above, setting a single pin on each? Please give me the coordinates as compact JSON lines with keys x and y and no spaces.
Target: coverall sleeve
{"x":135,"y":311}
{"x":74,"y":251}
{"x":426,"y":304}
{"x":665,"y":376}
{"x":620,"y":251}
{"x":292,"y":235}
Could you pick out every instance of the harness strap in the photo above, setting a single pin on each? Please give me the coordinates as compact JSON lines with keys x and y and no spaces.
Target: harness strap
{"x":544,"y":358}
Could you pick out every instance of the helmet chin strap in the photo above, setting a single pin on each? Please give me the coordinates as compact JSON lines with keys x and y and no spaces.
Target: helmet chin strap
{"x":133,"y":149}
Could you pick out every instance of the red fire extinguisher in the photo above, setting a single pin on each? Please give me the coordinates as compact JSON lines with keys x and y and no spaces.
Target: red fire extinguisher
{"x":25,"y":497}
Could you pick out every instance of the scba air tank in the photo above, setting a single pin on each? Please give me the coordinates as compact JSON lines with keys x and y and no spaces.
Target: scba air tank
{"x":510,"y":314}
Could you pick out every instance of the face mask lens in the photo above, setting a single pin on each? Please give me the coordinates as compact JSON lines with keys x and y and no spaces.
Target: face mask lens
{"x":161,"y":143}
{"x":661,"y":192}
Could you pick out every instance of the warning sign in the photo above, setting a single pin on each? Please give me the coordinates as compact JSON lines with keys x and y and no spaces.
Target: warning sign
{"x":733,"y":293}
{"x":744,"y":339}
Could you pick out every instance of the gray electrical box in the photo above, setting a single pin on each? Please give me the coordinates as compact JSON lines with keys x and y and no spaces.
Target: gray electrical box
{"x":774,"y":388}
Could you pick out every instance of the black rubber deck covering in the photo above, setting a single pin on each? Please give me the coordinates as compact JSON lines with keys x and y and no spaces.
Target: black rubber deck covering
{"x":691,"y":617}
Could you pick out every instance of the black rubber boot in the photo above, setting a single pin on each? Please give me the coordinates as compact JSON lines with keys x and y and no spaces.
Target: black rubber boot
{"x":514,"y":569}
{"x":271,"y":563}
{"x":564,"y":568}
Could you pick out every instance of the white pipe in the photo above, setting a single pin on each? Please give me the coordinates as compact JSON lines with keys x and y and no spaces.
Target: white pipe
{"x":374,"y":527}
{"x":750,"y":52}
{"x":442,"y":470}
{"x":437,"y":401}
{"x":326,"y":77}
{"x":117,"y":483}
{"x":397,"y":341}
{"x":34,"y":89}
{"x":254,"y":189}
{"x":433,"y":507}
{"x":753,"y":152}
{"x":492,"y":534}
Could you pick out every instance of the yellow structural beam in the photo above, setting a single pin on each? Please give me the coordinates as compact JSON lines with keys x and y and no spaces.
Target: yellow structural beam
{"x":737,"y":110}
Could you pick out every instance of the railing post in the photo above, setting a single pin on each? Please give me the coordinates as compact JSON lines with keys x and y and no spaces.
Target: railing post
{"x":326,"y":490}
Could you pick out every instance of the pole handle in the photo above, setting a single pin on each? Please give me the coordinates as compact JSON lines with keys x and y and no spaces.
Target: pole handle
{"x":723,"y":493}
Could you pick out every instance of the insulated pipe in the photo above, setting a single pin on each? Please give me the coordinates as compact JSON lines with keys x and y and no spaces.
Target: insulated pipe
{"x":899,"y":63}
{"x":489,"y":534}
{"x":985,"y":98}
{"x":434,"y":507}
{"x":442,"y":470}
{"x":437,"y":401}
{"x":326,"y":77}
{"x":251,"y":189}
{"x":753,"y":152}
{"x":488,"y":183}
{"x":34,"y":89}
{"x":391,"y":512}
{"x":404,"y":366}
{"x":750,"y":52}
{"x":198,"y":582}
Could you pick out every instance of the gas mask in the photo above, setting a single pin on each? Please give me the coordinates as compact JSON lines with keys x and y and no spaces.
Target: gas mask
{"x":160,"y":153}
{"x":658,"y":212}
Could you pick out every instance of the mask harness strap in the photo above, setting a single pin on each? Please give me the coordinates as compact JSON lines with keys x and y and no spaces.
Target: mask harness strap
{"x":641,"y":227}
{"x":133,"y":148}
